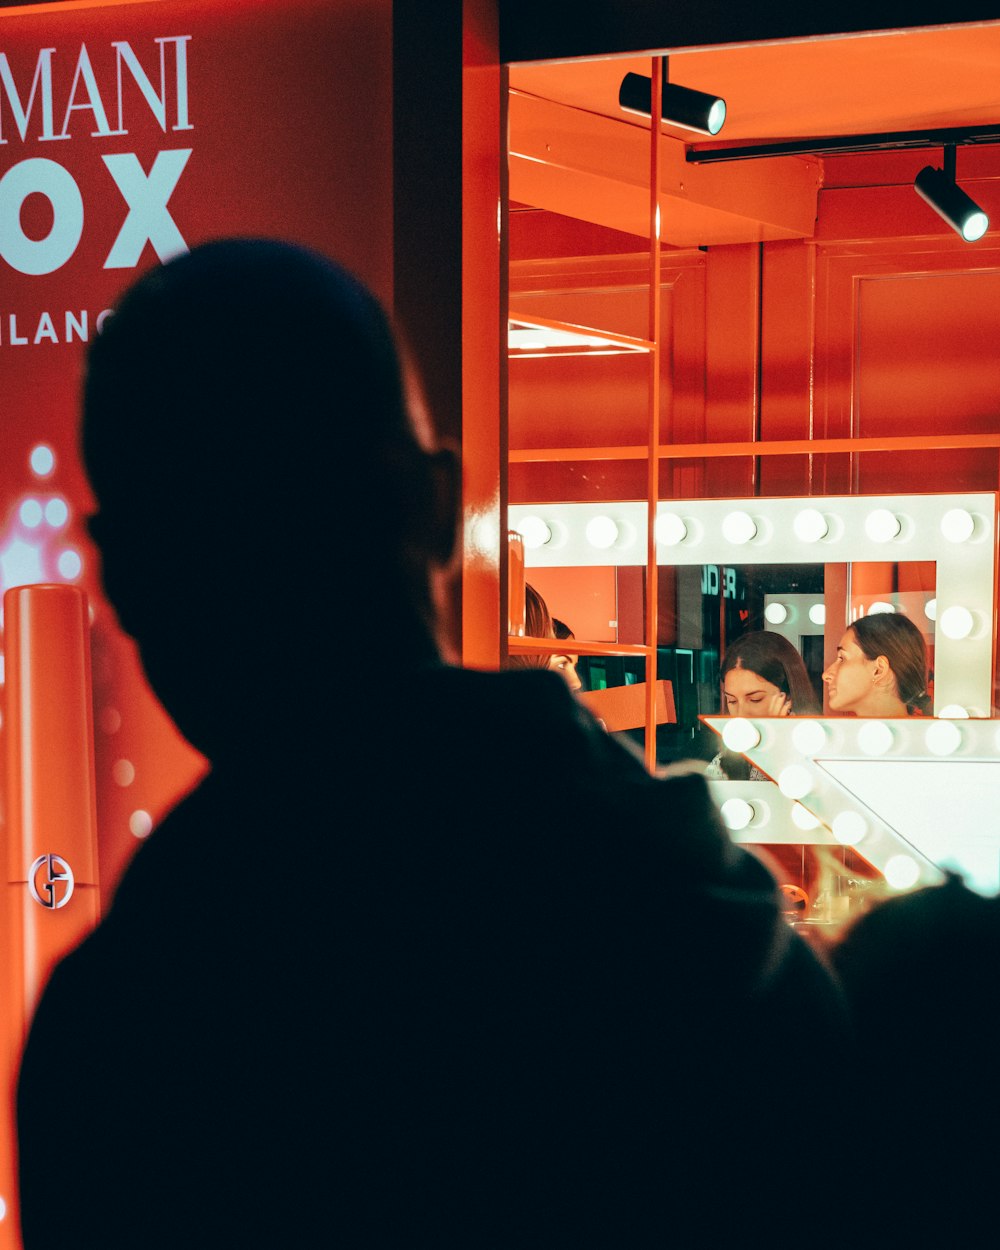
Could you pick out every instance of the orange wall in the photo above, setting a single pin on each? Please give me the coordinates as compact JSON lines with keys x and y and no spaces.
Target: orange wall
{"x":883,"y":324}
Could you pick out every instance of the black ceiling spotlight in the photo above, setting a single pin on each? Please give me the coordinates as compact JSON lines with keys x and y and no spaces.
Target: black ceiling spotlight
{"x":681,"y":106}
{"x":939,"y":188}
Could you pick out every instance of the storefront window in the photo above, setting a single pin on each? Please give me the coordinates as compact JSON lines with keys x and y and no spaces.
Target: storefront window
{"x":798,"y":429}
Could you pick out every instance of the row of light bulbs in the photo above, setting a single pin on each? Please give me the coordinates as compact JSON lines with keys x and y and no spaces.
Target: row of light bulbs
{"x":942,"y":736}
{"x":956,"y":622}
{"x":796,"y":782}
{"x":740,"y":527}
{"x":849,"y":828}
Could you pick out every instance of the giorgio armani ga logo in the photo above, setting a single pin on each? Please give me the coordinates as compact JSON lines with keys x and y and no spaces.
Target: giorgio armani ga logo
{"x":50,"y":880}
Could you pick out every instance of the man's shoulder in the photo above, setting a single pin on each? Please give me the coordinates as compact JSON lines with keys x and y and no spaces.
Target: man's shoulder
{"x":513,"y":688}
{"x":529,"y":706}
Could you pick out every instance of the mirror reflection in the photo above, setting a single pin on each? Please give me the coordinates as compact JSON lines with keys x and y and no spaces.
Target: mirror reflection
{"x":810,"y":633}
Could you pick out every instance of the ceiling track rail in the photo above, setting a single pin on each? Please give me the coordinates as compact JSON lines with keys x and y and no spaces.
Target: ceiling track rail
{"x":899,"y":140}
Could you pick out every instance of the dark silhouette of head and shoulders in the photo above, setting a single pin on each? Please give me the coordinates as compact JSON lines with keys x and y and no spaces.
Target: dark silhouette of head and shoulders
{"x":384,"y":978}
{"x":267,"y":496}
{"x":920,"y":974}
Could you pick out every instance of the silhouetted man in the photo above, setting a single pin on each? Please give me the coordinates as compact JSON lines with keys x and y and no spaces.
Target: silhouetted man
{"x":385,"y":978}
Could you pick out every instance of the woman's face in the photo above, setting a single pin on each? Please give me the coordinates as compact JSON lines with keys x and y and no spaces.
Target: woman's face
{"x":748,"y":694}
{"x":849,"y":678}
{"x":566,"y":665}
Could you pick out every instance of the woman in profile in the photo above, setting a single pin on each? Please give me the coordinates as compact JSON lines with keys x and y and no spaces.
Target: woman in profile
{"x":762,"y":674}
{"x":540,"y":623}
{"x":880,"y":669}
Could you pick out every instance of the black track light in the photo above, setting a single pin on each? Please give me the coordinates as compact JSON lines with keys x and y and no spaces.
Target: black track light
{"x":939,"y":188}
{"x":681,"y":106}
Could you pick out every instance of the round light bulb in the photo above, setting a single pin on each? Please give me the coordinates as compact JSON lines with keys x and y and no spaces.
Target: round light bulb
{"x":817,"y":613}
{"x":953,"y":711}
{"x":901,"y":872}
{"x":943,"y":737}
{"x":810,"y":525}
{"x":930,"y":609}
{"x":737,"y":813}
{"x":717,"y":115}
{"x":802,"y":818}
{"x":875,"y":737}
{"x":794,"y":781}
{"x":974,"y":226}
{"x":601,"y":532}
{"x":882,"y":526}
{"x":849,"y":828}
{"x":880,"y":606}
{"x":956,"y":622}
{"x":670,"y":529}
{"x":740,"y":734}
{"x":809,"y":737}
{"x":739,"y":528}
{"x":776,"y":613}
{"x":535,"y":532}
{"x":957,"y":525}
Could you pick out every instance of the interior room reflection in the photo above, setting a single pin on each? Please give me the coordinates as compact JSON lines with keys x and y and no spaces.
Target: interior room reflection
{"x":702,"y":609}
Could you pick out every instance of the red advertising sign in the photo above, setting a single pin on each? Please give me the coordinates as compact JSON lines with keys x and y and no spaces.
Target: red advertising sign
{"x":130,"y":132}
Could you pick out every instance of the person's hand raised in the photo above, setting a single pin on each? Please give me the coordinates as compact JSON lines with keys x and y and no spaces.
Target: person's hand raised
{"x":780,"y":705}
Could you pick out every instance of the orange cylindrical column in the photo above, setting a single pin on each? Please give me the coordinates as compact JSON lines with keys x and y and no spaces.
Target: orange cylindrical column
{"x":50,"y":822}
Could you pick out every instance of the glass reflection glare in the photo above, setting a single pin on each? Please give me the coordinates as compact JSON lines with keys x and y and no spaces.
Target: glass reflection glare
{"x":57,"y":512}
{"x":42,"y":460}
{"x":31,"y":513}
{"x":69,"y":565}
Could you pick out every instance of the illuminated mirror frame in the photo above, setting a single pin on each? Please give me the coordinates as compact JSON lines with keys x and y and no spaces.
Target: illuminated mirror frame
{"x":912,"y":796}
{"x":836,"y":782}
{"x":786,"y":531}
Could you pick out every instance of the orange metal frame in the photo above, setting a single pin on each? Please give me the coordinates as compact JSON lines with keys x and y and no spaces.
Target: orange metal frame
{"x":655,"y":453}
{"x":777,"y":447}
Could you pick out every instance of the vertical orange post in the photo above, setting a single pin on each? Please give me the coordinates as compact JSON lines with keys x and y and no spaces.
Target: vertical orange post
{"x":515,"y":583}
{"x":653,"y":428}
{"x":51,"y":899}
{"x":483,"y":338}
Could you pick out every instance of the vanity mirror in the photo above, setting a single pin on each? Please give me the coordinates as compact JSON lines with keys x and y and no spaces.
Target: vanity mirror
{"x":929,"y":556}
{"x":912,"y":797}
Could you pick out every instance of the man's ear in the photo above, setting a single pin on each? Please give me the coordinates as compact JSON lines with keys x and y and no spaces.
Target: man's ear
{"x":445,"y":474}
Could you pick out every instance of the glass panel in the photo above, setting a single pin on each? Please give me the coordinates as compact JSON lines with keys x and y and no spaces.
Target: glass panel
{"x":579,"y":401}
{"x":915,"y":554}
{"x":569,"y":271}
{"x":564,"y":481}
